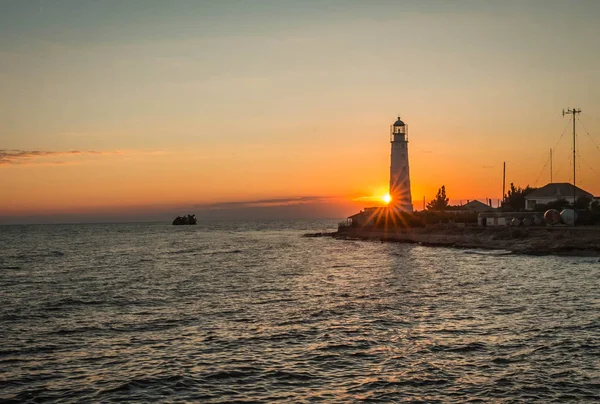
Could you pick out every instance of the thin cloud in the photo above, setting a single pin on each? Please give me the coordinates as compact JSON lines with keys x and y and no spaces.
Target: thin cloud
{"x":368,"y":199}
{"x":15,"y":157}
{"x":264,"y":203}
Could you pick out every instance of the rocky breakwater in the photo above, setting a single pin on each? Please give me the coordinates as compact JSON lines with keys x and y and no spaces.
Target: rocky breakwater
{"x":549,"y":240}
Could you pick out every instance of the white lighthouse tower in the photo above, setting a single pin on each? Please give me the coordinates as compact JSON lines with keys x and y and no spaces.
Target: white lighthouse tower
{"x":399,"y":174}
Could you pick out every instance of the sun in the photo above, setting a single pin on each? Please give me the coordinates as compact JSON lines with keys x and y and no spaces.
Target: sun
{"x":386,"y":198}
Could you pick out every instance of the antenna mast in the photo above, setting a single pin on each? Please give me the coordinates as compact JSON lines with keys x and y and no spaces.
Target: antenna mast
{"x":573,"y":111}
{"x":551,"y":167}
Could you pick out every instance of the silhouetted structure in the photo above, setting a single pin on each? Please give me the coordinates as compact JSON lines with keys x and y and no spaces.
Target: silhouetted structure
{"x":474,"y":206}
{"x":183,"y":220}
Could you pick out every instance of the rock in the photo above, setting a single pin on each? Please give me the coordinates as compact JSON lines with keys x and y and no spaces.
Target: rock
{"x":184,"y":220}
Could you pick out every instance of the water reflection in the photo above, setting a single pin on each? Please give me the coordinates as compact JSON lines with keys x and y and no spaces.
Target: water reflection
{"x":142,"y":313}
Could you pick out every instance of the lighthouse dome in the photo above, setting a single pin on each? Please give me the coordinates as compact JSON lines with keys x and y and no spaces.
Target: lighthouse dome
{"x":399,"y":122}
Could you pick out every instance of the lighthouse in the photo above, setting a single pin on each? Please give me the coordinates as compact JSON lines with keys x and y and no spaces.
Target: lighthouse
{"x":399,"y":173}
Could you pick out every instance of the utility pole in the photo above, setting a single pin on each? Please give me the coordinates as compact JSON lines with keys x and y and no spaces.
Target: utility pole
{"x":504,"y":181}
{"x":573,"y":111}
{"x":551,"y":167}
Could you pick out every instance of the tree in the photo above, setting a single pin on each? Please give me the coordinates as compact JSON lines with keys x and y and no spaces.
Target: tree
{"x":559,"y":204}
{"x":583,"y":202}
{"x":515,"y":198}
{"x":440,"y":203}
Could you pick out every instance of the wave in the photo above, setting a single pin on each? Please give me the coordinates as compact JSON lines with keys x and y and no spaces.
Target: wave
{"x":70,"y":301}
{"x":239,"y":372}
{"x":28,"y":257}
{"x":171,"y":381}
{"x":471,"y":347}
{"x":288,"y":375}
{"x":201,"y":252}
{"x":504,"y":361}
{"x":378,"y":385}
{"x":78,"y":330}
{"x":29,"y":350}
{"x":223,"y":252}
{"x":153,"y":325}
{"x":488,"y":252}
{"x":182,"y":251}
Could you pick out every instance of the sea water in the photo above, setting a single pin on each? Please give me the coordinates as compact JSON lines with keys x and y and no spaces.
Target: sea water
{"x":252,"y":311}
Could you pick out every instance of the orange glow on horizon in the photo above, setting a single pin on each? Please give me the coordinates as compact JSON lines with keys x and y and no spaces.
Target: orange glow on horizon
{"x":356,"y":174}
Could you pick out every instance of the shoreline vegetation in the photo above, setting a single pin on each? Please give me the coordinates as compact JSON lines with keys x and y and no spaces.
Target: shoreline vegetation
{"x":548,"y":240}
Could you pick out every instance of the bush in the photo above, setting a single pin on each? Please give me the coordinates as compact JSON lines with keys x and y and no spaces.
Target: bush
{"x":433,"y":217}
{"x":586,"y":217}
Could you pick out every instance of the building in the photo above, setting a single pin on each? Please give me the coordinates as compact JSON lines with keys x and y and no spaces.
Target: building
{"x":381,"y":217}
{"x":399,"y":171}
{"x":553,"y":192}
{"x":367,"y":217}
{"x":475,"y":206}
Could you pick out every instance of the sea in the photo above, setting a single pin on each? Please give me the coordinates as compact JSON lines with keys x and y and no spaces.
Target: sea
{"x":249,"y":312}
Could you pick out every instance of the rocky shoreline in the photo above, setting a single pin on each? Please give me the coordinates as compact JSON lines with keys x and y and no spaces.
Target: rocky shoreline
{"x":566,"y":241}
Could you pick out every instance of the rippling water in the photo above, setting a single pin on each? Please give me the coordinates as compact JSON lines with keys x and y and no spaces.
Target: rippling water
{"x":246,"y":312}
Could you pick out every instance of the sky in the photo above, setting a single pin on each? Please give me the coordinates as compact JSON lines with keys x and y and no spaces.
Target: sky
{"x":121,"y":109}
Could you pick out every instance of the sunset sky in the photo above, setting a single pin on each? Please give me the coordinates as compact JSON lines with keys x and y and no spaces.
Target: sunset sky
{"x":150,"y":105}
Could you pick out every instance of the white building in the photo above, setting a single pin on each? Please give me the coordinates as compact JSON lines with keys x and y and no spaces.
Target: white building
{"x":554,"y":192}
{"x":399,"y":172}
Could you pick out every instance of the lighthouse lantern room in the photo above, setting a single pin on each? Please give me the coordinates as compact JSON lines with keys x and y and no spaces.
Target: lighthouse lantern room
{"x":399,"y":172}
